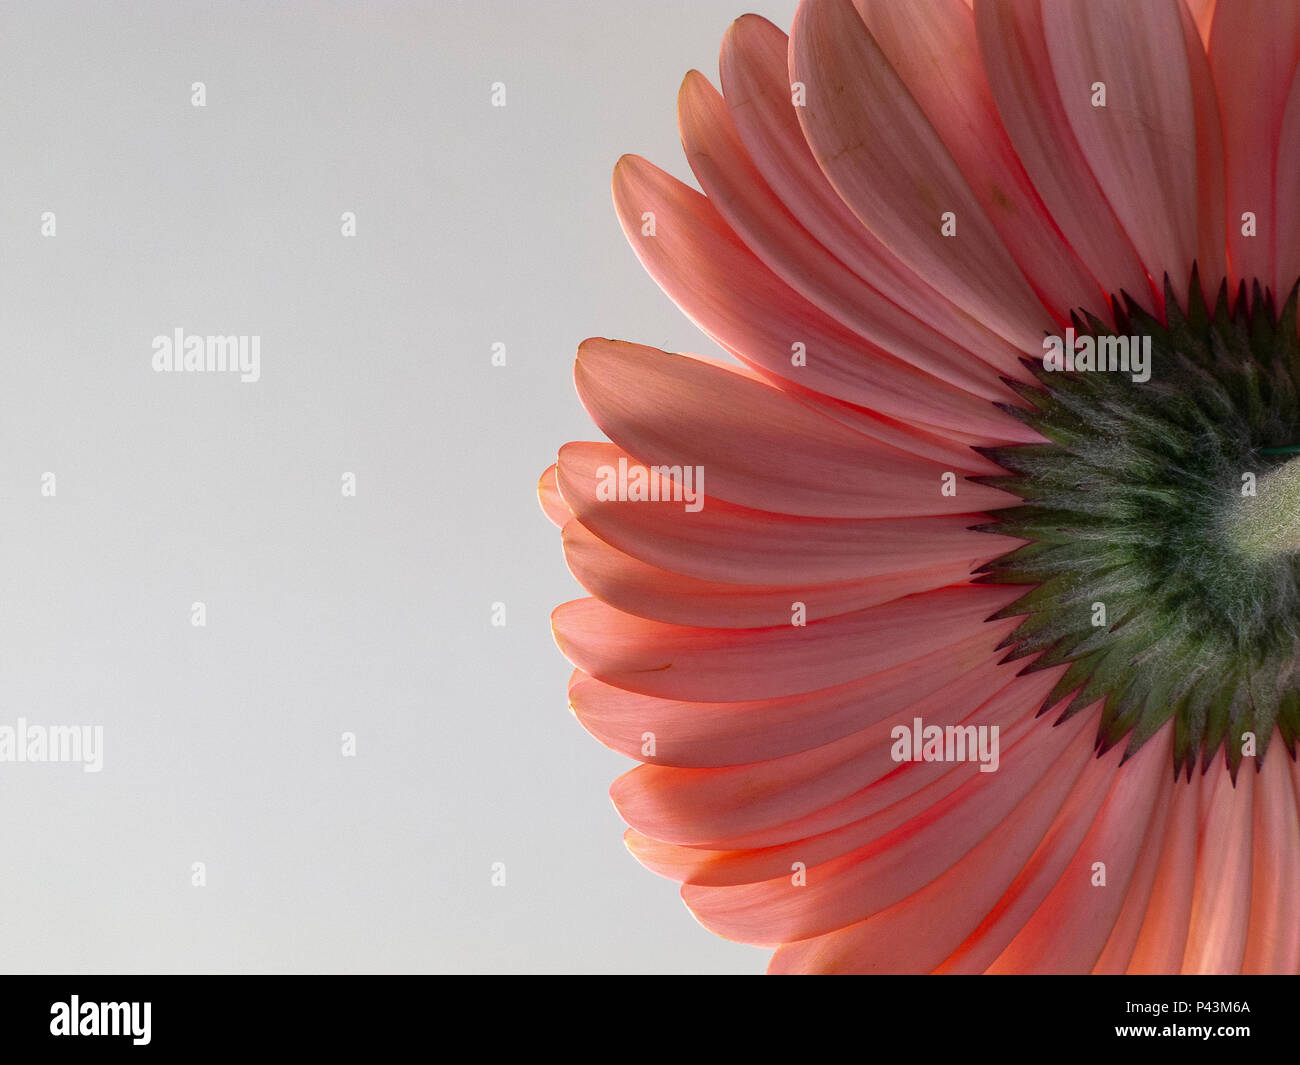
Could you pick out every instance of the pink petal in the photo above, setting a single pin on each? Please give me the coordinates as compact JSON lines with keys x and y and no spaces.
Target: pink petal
{"x":1068,"y":932}
{"x":739,"y":546}
{"x":716,"y":665}
{"x":717,"y":807}
{"x":932,"y":46}
{"x":768,"y":853}
{"x":755,"y":71}
{"x":1253,"y":72}
{"x":1021,"y":79}
{"x":635,"y":587}
{"x":1287,"y":189}
{"x":733,"y":185}
{"x":1202,"y":12}
{"x":757,"y":447}
{"x":856,"y":885}
{"x":881,"y":153}
{"x":548,"y":494}
{"x":1042,"y":872}
{"x":699,"y":734}
{"x":1118,"y":952}
{"x":1216,"y":933}
{"x":918,"y":933}
{"x":1273,"y":938}
{"x":1163,"y":938}
{"x":1143,"y":145}
{"x":727,"y":291}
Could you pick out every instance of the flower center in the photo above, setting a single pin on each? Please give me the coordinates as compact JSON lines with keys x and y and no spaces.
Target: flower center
{"x":1163,"y":516}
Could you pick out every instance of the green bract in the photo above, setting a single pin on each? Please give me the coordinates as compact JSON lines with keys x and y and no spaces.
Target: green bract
{"x":1140,"y":502}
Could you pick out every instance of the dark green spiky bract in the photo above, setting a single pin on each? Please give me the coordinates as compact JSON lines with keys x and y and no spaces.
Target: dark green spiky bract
{"x":1125,"y":506}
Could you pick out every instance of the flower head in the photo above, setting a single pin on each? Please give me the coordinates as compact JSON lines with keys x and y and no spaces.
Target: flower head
{"x":957,"y":624}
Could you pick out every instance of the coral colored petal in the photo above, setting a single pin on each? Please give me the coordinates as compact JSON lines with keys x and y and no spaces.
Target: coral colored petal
{"x":739,"y":546}
{"x":1202,"y":12}
{"x":1068,"y":932}
{"x":881,"y":153}
{"x":1118,"y":952}
{"x":1253,"y":72}
{"x":755,"y":445}
{"x":755,"y":71}
{"x":917,"y":934}
{"x":716,"y":665}
{"x":636,"y":587}
{"x":727,"y":291}
{"x":699,"y":734}
{"x":932,"y":46}
{"x":733,"y":185}
{"x":1042,"y":872}
{"x":953,"y":449}
{"x":548,"y":494}
{"x":1216,"y":934}
{"x":1009,"y":708}
{"x":851,"y":888}
{"x":900,"y":796}
{"x":1273,"y":939}
{"x":1142,"y":146}
{"x":1211,"y":170}
{"x":1287,"y":188}
{"x":716,"y":807}
{"x":1021,"y":80}
{"x":1162,"y":941}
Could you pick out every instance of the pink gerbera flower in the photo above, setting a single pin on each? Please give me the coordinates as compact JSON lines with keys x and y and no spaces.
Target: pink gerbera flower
{"x":956,"y":626}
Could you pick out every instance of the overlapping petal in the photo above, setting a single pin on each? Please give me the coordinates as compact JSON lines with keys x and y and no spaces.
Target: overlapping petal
{"x":758,"y":653}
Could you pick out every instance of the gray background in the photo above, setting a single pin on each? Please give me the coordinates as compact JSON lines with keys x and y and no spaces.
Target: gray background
{"x":222,"y":744}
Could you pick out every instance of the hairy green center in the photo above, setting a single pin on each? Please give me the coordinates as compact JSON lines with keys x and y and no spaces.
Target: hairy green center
{"x":1163,"y":516}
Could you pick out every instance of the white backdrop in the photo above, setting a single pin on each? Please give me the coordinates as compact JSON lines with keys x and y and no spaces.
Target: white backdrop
{"x":325,"y":614}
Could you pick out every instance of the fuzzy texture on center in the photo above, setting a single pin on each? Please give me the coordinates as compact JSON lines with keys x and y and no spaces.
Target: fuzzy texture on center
{"x":1139,"y":502}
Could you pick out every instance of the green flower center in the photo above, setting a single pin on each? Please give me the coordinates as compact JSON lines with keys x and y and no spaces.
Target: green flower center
{"x":1163,"y":517}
